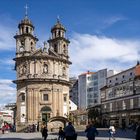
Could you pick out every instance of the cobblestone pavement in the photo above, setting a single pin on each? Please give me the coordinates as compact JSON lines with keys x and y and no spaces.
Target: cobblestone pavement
{"x":103,"y":135}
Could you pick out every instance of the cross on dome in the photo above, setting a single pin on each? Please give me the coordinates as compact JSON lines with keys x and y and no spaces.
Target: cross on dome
{"x":26,"y":10}
{"x":58,"y":19}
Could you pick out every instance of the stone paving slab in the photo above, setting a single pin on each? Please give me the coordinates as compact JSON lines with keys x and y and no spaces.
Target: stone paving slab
{"x":37,"y":136}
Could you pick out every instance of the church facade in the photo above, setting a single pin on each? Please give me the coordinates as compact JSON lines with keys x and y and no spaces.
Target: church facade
{"x":42,"y":75}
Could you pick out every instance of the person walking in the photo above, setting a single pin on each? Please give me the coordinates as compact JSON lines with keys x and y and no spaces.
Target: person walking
{"x":45,"y":132}
{"x":123,"y":125}
{"x":70,"y":133}
{"x":91,"y":131}
{"x":61,"y":134}
{"x":138,"y":131}
{"x":111,"y":132}
{"x":3,"y":129}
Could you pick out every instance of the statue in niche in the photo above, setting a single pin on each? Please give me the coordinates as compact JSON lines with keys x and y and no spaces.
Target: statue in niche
{"x":20,"y":71}
{"x":45,"y":68}
{"x":24,"y":69}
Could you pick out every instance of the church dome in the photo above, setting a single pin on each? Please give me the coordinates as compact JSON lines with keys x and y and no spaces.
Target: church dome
{"x":26,"y":21}
{"x":58,"y":25}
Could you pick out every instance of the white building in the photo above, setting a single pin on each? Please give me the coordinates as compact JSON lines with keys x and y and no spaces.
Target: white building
{"x":89,"y":85}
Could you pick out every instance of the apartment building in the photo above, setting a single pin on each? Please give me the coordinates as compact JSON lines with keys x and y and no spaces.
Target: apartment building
{"x":120,"y":98}
{"x":89,"y":85}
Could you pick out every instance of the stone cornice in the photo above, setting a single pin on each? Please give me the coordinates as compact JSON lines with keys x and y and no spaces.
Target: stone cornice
{"x":26,"y":35}
{"x":41,"y":57}
{"x":42,"y":80}
{"x":58,"y":38}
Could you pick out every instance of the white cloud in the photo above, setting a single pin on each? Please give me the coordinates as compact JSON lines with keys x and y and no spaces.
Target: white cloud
{"x":7,"y":91}
{"x":114,"y":19}
{"x":7,"y":41}
{"x":91,"y":52}
{"x":6,"y":61}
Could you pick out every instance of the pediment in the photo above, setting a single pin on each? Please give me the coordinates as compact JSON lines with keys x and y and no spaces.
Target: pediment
{"x":39,"y":52}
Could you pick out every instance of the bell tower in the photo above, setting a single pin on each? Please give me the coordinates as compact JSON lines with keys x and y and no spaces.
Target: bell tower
{"x":25,"y":38}
{"x":58,"y":42}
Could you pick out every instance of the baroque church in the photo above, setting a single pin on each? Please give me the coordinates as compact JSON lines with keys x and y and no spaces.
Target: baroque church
{"x":42,"y":76}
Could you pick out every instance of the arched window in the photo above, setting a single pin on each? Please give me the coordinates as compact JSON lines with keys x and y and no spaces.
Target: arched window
{"x":22,"y":97}
{"x":31,"y":43}
{"x":59,"y":33}
{"x":64,"y":48}
{"x":64,"y":71}
{"x":22,"y":30}
{"x":55,"y":48}
{"x":46,"y":109}
{"x":32,"y":46}
{"x":27,"y":30}
{"x":55,"y":34}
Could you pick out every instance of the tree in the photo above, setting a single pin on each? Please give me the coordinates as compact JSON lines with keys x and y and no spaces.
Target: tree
{"x":94,"y":115}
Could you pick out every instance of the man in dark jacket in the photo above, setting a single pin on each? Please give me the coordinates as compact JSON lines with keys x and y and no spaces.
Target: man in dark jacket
{"x":138,"y":131}
{"x":91,"y":131}
{"x":70,"y":133}
{"x":45,"y":132}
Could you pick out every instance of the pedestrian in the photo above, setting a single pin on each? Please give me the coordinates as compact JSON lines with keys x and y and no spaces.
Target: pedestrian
{"x":3,"y":129}
{"x":42,"y":127}
{"x":111,"y":132}
{"x":38,"y":127}
{"x":138,"y":131}
{"x":70,"y":133}
{"x":45,"y":132}
{"x":91,"y":131}
{"x":33,"y":128}
{"x":61,"y":134}
{"x":123,"y":125}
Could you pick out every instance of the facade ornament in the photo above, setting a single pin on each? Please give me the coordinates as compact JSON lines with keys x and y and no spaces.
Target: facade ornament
{"x":45,"y":68}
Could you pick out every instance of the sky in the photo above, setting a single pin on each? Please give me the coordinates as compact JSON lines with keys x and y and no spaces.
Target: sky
{"x":103,"y":34}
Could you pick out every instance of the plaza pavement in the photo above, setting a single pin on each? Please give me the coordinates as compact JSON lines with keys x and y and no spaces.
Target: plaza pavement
{"x":103,"y":135}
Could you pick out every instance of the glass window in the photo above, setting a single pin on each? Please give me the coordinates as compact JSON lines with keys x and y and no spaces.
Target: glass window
{"x":65,"y":98}
{"x":110,"y":106}
{"x":22,"y":97}
{"x":131,"y":103}
{"x":139,"y":101}
{"x":90,"y":89}
{"x":45,"y":97}
{"x":123,"y":104}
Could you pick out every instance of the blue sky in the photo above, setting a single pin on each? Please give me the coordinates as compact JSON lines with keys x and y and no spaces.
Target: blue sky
{"x":103,"y":34}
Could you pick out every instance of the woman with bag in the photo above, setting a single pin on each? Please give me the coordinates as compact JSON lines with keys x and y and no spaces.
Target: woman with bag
{"x":111,"y":132}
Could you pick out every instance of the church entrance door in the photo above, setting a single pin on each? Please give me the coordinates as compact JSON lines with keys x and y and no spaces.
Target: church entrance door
{"x":45,"y":113}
